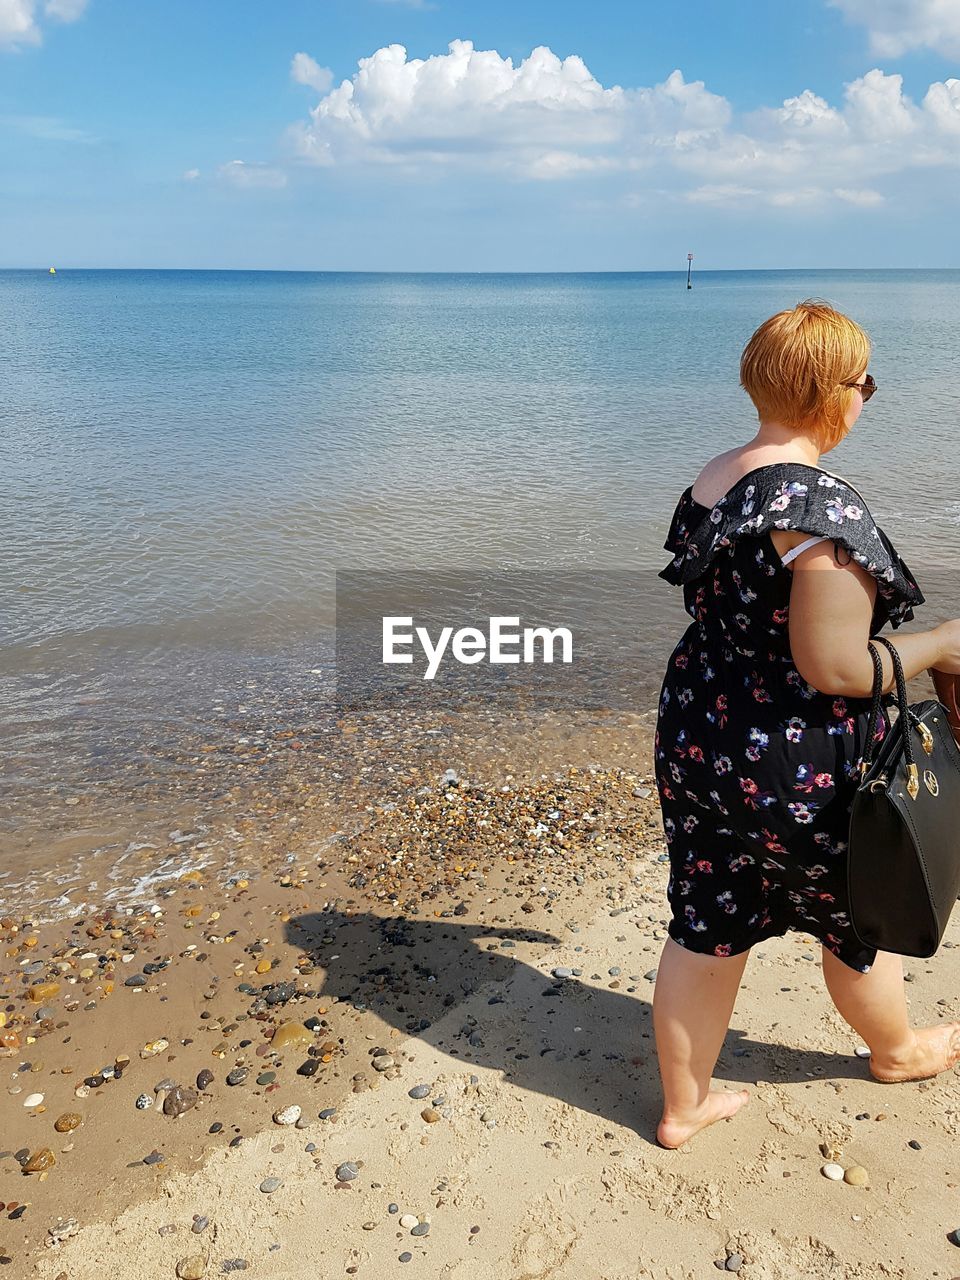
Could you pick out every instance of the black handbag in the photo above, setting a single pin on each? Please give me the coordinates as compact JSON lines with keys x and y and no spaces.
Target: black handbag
{"x":903,"y":867}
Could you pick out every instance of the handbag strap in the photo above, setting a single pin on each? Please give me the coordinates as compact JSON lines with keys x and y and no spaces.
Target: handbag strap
{"x":906,"y":716}
{"x":867,"y":759}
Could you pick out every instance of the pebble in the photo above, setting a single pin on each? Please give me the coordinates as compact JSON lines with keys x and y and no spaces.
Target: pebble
{"x":69,"y":1121}
{"x":421,"y":1229}
{"x":857,"y":1176}
{"x":200,"y":1224}
{"x":833,"y":1171}
{"x":734,"y":1262}
{"x":382,"y":1063}
{"x":40,"y":1161}
{"x":238,"y":1075}
{"x":204,"y":1079}
{"x":405,"y":1257}
{"x":562,"y":972}
{"x":347,"y":1171}
{"x":651,"y":975}
{"x":135,"y":980}
{"x":430,"y":1115}
{"x":269,"y":1185}
{"x":419,"y":1091}
{"x":408,"y":1220}
{"x":393,"y":1208}
{"x":287,"y":1115}
{"x":914,"y":1144}
{"x":33,"y":1099}
{"x":954,"y":1236}
{"x":234,"y":1264}
{"x":179,"y":1100}
{"x":863,"y":1052}
{"x":192,"y":1268}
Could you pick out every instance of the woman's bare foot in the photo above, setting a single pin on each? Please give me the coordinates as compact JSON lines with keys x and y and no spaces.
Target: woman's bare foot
{"x":934,"y":1049}
{"x":720,"y":1104}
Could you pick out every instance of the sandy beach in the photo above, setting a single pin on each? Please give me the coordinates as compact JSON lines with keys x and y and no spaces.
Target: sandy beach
{"x":428,"y":1044}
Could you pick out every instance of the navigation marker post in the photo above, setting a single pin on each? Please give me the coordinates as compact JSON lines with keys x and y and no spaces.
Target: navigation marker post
{"x":689,"y":269}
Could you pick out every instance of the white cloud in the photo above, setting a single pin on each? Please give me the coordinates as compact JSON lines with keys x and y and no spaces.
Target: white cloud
{"x":191,"y":175}
{"x":248,"y":175}
{"x":551,"y":119}
{"x":20,"y":19}
{"x":473,"y":108}
{"x":897,"y":26}
{"x":304,"y":70}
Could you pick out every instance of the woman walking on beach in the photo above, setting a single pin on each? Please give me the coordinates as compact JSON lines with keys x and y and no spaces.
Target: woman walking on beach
{"x":764,"y":712}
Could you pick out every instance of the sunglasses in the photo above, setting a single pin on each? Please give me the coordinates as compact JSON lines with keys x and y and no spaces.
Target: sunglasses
{"x":866,"y":388}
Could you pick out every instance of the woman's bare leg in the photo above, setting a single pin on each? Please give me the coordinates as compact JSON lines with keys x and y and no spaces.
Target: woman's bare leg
{"x":875,"y":1005}
{"x":692,"y":1004}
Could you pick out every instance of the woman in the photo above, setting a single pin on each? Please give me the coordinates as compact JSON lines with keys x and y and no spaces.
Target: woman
{"x":764,"y":713}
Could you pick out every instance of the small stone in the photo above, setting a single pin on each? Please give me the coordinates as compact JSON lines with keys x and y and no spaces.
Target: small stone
{"x":382,"y":1063}
{"x":143,"y":1102}
{"x":393,"y":1208}
{"x":179,"y":1100}
{"x":914,"y":1144}
{"x":291,"y":1033}
{"x":236,"y":1264}
{"x":421,"y":1229}
{"x":857,"y":1176}
{"x":405,"y":1257}
{"x":430,"y":1115}
{"x":419,"y":1091}
{"x":833,"y":1171}
{"x":136,"y":980}
{"x":287,"y":1115}
{"x":192,"y":1268}
{"x":562,"y":972}
{"x":954,"y":1236}
{"x":368,"y":1226}
{"x":347,"y":1171}
{"x":408,"y":1220}
{"x":237,"y":1075}
{"x":33,"y":1099}
{"x":734,"y":1262}
{"x":269,"y":1185}
{"x":69,"y":1121}
{"x":200,"y":1224}
{"x":863,"y":1051}
{"x":205,"y":1079}
{"x":40,"y":1161}
{"x":153,"y":1047}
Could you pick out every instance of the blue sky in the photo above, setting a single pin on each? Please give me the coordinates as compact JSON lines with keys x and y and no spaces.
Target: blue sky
{"x":189,"y":133}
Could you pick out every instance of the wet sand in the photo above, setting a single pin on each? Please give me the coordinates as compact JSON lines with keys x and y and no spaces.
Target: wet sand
{"x":402,"y":933}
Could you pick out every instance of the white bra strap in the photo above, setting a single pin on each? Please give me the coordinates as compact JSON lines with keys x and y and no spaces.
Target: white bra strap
{"x":802,"y":546}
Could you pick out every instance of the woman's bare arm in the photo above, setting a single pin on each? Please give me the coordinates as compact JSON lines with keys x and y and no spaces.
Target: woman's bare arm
{"x":831,"y":606}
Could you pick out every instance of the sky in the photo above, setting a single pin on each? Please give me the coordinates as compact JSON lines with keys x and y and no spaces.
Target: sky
{"x":479,"y":135}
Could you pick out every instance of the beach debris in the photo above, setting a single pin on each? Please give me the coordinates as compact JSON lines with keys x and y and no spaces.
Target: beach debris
{"x":60,"y":1231}
{"x":833,"y":1171}
{"x":856,"y":1176}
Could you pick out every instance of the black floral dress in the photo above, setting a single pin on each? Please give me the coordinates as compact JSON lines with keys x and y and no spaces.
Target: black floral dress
{"x":755,"y":768}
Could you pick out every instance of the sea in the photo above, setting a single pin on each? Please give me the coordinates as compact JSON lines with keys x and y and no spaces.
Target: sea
{"x":190,"y":458}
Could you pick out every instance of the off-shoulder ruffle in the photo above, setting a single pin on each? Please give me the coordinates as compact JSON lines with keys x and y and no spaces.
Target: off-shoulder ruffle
{"x":790,"y":495}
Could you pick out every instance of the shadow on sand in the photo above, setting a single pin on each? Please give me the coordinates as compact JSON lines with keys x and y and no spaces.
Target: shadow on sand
{"x":588,"y":1046}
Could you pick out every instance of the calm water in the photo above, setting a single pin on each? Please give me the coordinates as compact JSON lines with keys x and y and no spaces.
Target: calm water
{"x":188,"y":457}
